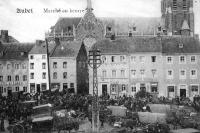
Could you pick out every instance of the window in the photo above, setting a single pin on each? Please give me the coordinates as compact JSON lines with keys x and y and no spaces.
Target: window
{"x":43,"y":65}
{"x":43,"y":56}
{"x":182,"y":59}
{"x":193,"y":59}
{"x":32,"y":66}
{"x":133,"y":59}
{"x":123,"y":87}
{"x":174,"y":4}
{"x":1,"y":89}
{"x":170,"y":88}
{"x":9,"y":78}
{"x":17,"y":78}
{"x":43,"y":75}
{"x":193,"y":74}
{"x":153,"y":72}
{"x":142,"y":72}
{"x":122,"y":58}
{"x":133,"y":73}
{"x":133,"y":88}
{"x":1,"y":66}
{"x":64,"y":64}
{"x":104,"y":73}
{"x":154,"y":87}
{"x":32,"y":88}
{"x":31,"y":57}
{"x":23,"y":66}
{"x":123,"y":73}
{"x":170,"y":74}
{"x":25,"y":89}
{"x":65,"y":75}
{"x":55,"y":75}
{"x":54,"y":65}
{"x":169,"y":60}
{"x":1,"y":78}
{"x":194,"y":88}
{"x":114,"y":73}
{"x":71,"y":85}
{"x":24,"y":77}
{"x":8,"y":66}
{"x":17,"y":88}
{"x":182,"y":74}
{"x":184,"y":4}
{"x":142,"y":59}
{"x":16,"y":66}
{"x":44,"y":86}
{"x":112,"y":58}
{"x":159,"y":28}
{"x":32,"y":75}
{"x":153,"y":58}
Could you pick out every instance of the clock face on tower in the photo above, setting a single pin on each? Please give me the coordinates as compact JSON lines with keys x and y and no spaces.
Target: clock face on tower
{"x":89,"y":41}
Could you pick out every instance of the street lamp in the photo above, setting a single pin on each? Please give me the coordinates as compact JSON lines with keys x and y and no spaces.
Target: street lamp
{"x":95,"y":62}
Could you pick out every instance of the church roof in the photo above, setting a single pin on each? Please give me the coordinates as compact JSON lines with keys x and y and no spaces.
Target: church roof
{"x":144,"y":25}
{"x":185,"y":25}
{"x":64,"y":22}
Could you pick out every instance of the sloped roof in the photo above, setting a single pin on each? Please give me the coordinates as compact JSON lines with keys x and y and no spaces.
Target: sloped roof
{"x":17,"y":51}
{"x":67,"y":49}
{"x":170,"y":45}
{"x":41,"y":48}
{"x":165,"y":45}
{"x":129,"y":45}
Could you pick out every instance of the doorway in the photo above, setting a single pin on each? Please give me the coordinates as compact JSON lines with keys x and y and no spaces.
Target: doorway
{"x":9,"y":91}
{"x":38,"y":88}
{"x":142,"y":87}
{"x":104,"y":89}
{"x":182,"y":92}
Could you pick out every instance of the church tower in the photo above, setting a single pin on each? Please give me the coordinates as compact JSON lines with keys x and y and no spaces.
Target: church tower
{"x":178,"y":17}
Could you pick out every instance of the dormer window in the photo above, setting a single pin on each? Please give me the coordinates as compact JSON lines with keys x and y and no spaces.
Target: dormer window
{"x":134,"y":28}
{"x":109,"y":29}
{"x":180,"y":45}
{"x":174,"y":4}
{"x":22,"y":53}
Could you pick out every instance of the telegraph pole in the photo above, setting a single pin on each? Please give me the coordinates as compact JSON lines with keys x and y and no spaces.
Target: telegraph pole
{"x":95,"y":62}
{"x":48,"y":65}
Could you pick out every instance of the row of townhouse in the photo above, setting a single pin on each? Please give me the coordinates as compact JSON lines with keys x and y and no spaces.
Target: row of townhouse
{"x":164,"y":66}
{"x":24,"y":67}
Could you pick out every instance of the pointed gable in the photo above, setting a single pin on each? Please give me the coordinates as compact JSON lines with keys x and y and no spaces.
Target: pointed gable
{"x":185,"y":25}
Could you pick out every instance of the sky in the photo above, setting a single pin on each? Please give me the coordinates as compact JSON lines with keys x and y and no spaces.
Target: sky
{"x":28,"y":27}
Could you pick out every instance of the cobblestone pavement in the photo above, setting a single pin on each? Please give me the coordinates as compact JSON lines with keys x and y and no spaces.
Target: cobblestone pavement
{"x":85,"y":127}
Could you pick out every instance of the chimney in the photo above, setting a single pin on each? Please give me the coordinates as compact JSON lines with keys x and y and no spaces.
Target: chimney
{"x":4,"y":36}
{"x":57,"y":41}
{"x":39,"y":42}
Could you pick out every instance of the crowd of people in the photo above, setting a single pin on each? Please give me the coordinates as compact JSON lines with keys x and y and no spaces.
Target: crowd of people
{"x":12,"y":110}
